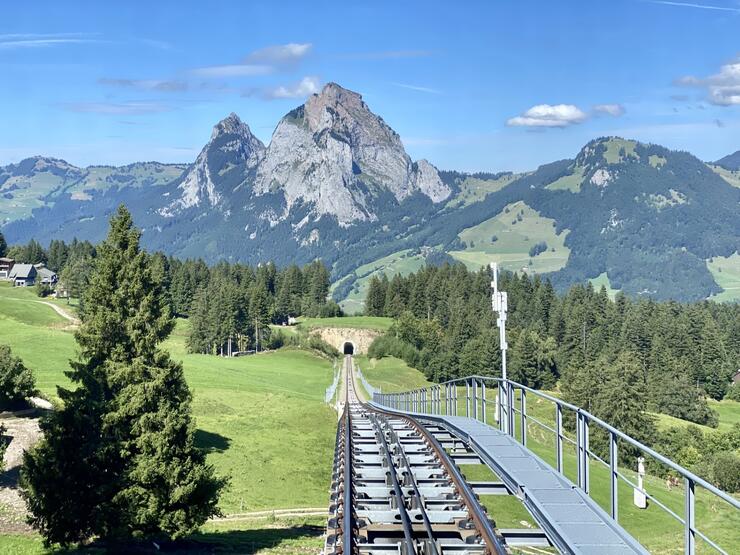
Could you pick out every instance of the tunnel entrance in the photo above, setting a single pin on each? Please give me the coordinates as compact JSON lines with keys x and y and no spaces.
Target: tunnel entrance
{"x":349,"y":348}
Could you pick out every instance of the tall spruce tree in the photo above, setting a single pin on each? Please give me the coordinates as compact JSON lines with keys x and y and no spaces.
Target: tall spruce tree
{"x":118,"y":460}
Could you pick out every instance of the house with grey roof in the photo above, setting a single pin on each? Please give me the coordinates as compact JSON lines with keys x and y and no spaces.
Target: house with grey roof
{"x":45,"y":275}
{"x":23,"y":275}
{"x":6,"y":264}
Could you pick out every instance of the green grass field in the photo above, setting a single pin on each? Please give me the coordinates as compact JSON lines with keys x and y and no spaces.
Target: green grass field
{"x":517,"y":229}
{"x":603,"y":280}
{"x":401,"y":262}
{"x":266,"y":536}
{"x":390,"y":374}
{"x":726,"y":272}
{"x":261,"y":418}
{"x":473,"y":189}
{"x":571,"y":182}
{"x":380,"y":323}
{"x":732,"y":177}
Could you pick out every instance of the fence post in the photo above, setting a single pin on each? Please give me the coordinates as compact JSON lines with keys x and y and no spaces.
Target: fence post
{"x":579,"y":450}
{"x":586,"y":473}
{"x":559,"y":436}
{"x":689,"y":523}
{"x":475,"y":398}
{"x":483,"y":392}
{"x":510,"y":404}
{"x":467,"y":398}
{"x":613,"y":460}
{"x":523,"y":407}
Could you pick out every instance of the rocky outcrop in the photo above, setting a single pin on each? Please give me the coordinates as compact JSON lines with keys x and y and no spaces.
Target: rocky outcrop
{"x":232,"y":148}
{"x":336,"y":155}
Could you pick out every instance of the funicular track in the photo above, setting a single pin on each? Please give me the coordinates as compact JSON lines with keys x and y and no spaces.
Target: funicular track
{"x":396,"y":490}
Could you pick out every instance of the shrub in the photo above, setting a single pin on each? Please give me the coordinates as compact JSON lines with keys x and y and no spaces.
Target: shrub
{"x":387,"y":345}
{"x":726,"y":471}
{"x":43,"y":290}
{"x":16,"y":381}
{"x":733,"y":393}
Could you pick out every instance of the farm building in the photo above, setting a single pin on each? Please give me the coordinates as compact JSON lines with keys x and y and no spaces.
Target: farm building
{"x":23,"y":275}
{"x":45,"y":275}
{"x":6,"y":264}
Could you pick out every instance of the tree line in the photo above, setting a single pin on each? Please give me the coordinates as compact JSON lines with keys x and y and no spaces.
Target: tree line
{"x":229,"y":306}
{"x":621,"y":359}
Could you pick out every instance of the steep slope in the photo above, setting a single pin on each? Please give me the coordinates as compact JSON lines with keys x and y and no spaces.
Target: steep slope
{"x":224,"y":165}
{"x":730,"y":162}
{"x":334,"y":154}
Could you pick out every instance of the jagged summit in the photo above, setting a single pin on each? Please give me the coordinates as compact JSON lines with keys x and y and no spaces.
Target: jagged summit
{"x":335,"y":154}
{"x":233,"y":151}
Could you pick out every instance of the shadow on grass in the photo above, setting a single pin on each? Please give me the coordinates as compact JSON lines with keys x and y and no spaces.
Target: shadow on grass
{"x":228,"y":541}
{"x":210,"y":442}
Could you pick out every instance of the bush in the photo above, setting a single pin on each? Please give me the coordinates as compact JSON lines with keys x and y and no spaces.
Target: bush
{"x":726,"y":471}
{"x":16,"y":381}
{"x":390,"y":346}
{"x":43,"y":290}
{"x":537,"y":249}
{"x":733,"y":393}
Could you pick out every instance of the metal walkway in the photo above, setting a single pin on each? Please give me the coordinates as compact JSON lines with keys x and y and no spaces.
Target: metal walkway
{"x":574,"y":523}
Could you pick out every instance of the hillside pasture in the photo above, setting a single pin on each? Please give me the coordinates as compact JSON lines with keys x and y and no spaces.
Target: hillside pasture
{"x":516,"y":229}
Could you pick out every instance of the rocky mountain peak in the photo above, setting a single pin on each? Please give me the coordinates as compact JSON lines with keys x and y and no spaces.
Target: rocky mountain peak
{"x":232,"y":149}
{"x":336,"y":154}
{"x":231,"y":125}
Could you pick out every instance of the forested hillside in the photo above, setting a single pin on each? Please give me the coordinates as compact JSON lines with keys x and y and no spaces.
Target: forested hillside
{"x":621,"y":359}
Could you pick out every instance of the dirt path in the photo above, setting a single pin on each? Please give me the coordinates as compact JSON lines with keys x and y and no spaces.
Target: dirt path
{"x":24,"y":433}
{"x":63,"y":313}
{"x":313,"y":511}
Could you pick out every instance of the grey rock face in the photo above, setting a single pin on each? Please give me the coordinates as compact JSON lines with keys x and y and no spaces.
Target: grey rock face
{"x":232,"y":144}
{"x":334,"y":153}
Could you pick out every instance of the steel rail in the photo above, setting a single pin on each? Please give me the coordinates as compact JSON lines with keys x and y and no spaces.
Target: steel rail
{"x":347,"y":543}
{"x":483,"y":526}
{"x":408,"y":533}
{"x":415,"y":487}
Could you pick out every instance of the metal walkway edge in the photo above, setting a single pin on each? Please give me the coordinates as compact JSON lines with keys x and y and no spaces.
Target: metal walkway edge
{"x":572,"y":520}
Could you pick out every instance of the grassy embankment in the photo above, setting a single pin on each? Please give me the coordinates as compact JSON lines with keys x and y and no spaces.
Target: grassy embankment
{"x":657,"y":530}
{"x":261,"y":418}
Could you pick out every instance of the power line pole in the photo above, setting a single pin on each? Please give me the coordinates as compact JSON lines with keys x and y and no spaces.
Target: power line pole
{"x":499,"y":302}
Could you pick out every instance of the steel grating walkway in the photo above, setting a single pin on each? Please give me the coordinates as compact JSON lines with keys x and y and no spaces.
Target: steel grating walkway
{"x":572,"y":520}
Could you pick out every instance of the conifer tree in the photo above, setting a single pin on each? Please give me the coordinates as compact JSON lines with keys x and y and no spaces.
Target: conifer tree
{"x":3,"y":245}
{"x":118,"y":460}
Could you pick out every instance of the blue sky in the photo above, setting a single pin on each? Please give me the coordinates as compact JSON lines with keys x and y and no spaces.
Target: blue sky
{"x":503,"y":85}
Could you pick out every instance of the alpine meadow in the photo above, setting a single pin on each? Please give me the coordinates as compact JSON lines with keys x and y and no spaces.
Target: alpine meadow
{"x":354,"y":279}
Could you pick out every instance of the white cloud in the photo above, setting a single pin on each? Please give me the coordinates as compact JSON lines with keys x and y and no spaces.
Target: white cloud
{"x":418,"y":88}
{"x":235,"y":70}
{"x":723,"y":88}
{"x":615,"y":110}
{"x":146,"y":84}
{"x":259,"y":62}
{"x":40,"y":40}
{"x":694,"y":5}
{"x":548,"y":115}
{"x":282,"y":54}
{"x":306,"y":86}
{"x":122,"y":108}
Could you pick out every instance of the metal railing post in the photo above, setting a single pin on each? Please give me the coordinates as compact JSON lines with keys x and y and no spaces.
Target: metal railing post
{"x":475,"y":398}
{"x":454,"y":404}
{"x":579,"y":450}
{"x":523,"y":407}
{"x":613,"y":460}
{"x":586,"y":473}
{"x":467,"y":398}
{"x":689,"y":518}
{"x":483,"y":395}
{"x":559,"y":437}
{"x":510,"y":405}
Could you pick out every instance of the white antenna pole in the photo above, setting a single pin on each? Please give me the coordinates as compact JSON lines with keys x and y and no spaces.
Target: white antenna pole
{"x":499,"y":302}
